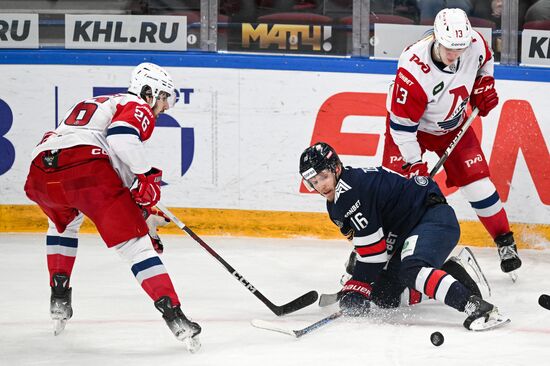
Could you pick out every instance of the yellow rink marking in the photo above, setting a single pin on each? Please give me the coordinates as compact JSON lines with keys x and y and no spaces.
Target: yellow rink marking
{"x":274,"y":224}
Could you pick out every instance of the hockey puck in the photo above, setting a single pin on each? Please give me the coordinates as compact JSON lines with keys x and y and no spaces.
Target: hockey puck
{"x":437,"y":339}
{"x":544,"y":301}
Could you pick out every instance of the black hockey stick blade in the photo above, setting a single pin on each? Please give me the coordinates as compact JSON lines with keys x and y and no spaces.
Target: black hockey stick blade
{"x":544,"y":301}
{"x":296,"y":304}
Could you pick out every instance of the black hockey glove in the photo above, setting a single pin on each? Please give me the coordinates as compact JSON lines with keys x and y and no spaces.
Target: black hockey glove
{"x":348,"y":232}
{"x":355,"y":298}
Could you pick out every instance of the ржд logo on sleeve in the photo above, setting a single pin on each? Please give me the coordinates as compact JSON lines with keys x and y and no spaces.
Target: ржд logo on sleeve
{"x":134,"y":32}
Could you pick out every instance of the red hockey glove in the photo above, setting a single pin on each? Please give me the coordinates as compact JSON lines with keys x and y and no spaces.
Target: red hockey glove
{"x":146,"y":188}
{"x":355,"y":298}
{"x":418,"y":168}
{"x":484,"y":95}
{"x":154,"y":220}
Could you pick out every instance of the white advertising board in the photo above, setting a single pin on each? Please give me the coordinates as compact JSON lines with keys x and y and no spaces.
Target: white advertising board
{"x":130,"y":32}
{"x":535,"y":47}
{"x":234,"y":137}
{"x":390,"y":40}
{"x":18,"y":30}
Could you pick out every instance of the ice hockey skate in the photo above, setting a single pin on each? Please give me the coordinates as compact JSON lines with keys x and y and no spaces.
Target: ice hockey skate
{"x":482,"y":315}
{"x":60,"y":302}
{"x":184,"y":329}
{"x":468,"y":262}
{"x":508,"y":253}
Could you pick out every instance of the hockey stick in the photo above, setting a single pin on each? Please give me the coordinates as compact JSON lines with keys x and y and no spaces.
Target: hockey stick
{"x":453,"y":143}
{"x":296,"y":304}
{"x":297,"y":333}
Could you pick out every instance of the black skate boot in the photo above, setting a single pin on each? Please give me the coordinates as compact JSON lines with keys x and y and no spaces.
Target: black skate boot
{"x":60,"y":302}
{"x":184,"y":329}
{"x":482,"y":315}
{"x":509,"y":259}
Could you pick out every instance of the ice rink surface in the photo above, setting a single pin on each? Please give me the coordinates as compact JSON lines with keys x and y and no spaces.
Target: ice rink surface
{"x":115,"y":322}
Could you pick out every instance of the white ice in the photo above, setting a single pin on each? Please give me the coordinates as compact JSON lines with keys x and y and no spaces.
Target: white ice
{"x":115,"y":323}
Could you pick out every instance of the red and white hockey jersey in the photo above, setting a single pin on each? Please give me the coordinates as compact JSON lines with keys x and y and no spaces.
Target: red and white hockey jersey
{"x":118,"y":124}
{"x":426,"y":98}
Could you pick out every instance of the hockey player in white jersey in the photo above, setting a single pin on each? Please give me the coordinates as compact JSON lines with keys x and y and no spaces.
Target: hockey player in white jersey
{"x":436,"y":78}
{"x":95,"y":164}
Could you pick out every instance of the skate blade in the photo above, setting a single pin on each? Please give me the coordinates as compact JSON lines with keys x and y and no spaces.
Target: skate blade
{"x":59,"y":326}
{"x":472,"y":267}
{"x":495,"y":320}
{"x":193,"y":344}
{"x":513,"y":276}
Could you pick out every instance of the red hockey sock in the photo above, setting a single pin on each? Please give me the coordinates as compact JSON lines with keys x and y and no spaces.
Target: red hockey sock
{"x":497,"y":224}
{"x":61,"y":255}
{"x":148,"y":269}
{"x":160,"y":285}
{"x":415,"y":296}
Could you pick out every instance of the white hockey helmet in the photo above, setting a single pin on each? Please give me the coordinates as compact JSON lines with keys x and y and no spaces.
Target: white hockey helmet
{"x":452,"y":28}
{"x":150,"y":79}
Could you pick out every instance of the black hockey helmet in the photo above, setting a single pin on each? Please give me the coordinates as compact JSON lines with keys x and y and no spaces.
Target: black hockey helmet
{"x":316,"y":158}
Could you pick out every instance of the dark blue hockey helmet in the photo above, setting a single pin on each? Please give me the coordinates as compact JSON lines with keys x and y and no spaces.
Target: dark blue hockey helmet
{"x":317,"y":158}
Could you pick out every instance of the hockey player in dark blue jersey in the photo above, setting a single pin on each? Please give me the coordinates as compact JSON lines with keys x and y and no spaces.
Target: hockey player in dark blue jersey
{"x":402,"y":230}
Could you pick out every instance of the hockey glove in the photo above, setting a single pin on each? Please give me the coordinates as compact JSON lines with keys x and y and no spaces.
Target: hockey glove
{"x":146,"y":188}
{"x":355,"y":298}
{"x":484,"y":95}
{"x":345,"y":229}
{"x":348,"y":232}
{"x":418,"y":168}
{"x":154,"y":220}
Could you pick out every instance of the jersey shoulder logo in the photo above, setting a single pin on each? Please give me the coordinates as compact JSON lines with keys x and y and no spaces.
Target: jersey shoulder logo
{"x":421,"y":181}
{"x":341,"y":187}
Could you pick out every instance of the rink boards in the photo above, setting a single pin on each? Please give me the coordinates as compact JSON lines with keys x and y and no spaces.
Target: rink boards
{"x":230,"y":147}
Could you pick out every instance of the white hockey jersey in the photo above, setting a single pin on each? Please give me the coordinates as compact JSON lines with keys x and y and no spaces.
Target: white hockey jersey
{"x":426,"y":98}
{"x":118,"y":124}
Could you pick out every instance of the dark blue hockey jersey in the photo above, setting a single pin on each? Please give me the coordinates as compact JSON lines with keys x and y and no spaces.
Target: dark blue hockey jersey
{"x":381,"y":207}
